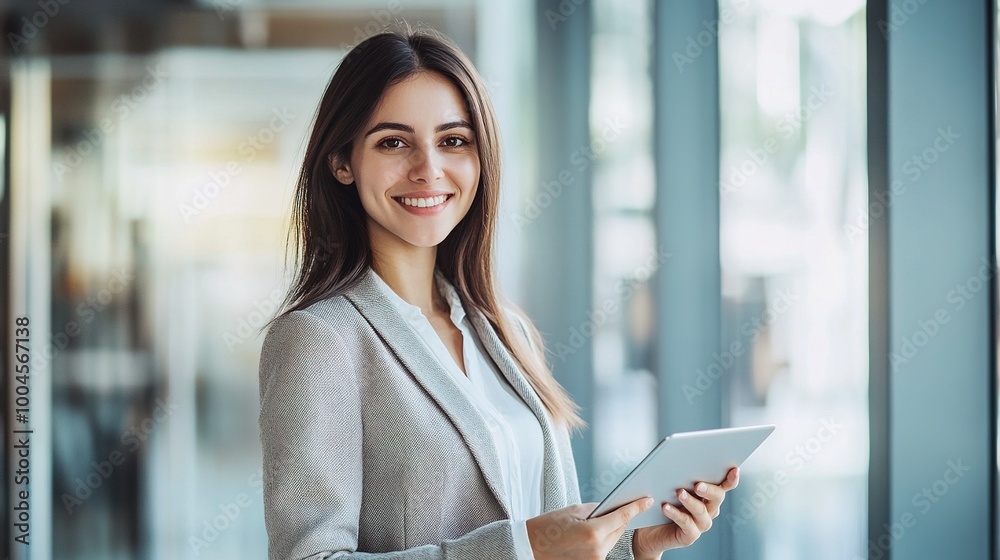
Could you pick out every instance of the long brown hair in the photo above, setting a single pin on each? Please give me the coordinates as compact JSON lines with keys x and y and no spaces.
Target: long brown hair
{"x":332,"y":249}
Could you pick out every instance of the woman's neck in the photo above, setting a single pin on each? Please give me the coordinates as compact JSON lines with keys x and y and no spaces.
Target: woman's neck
{"x":411,"y":275}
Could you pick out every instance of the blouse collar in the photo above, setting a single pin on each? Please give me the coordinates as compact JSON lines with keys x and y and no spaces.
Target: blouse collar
{"x":413,"y":312}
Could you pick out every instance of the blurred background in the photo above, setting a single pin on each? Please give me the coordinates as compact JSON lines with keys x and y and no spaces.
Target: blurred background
{"x":685,"y":217}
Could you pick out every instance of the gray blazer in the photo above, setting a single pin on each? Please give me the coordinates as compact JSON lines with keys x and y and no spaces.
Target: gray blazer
{"x":369,"y":447}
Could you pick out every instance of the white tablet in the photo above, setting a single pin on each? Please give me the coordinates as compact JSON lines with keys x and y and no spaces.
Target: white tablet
{"x":680,"y":461}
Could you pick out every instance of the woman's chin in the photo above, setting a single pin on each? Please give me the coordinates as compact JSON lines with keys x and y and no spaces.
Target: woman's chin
{"x":425,"y":240}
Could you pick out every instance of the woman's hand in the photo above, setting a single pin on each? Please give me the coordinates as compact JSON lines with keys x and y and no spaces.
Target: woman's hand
{"x":688,"y":523}
{"x":567,"y":533}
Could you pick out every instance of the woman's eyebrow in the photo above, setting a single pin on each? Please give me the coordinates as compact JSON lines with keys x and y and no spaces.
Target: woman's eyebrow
{"x":407,"y":128}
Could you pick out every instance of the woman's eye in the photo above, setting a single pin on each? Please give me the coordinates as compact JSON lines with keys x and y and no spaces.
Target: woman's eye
{"x":455,"y":141}
{"x":390,"y":143}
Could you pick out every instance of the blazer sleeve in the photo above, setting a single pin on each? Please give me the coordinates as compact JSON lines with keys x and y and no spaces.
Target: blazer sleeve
{"x":623,"y":548}
{"x":311,"y":438}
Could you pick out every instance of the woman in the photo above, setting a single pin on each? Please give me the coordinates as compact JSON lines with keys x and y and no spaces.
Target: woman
{"x":404,"y":407}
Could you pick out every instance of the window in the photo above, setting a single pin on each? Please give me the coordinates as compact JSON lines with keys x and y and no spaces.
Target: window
{"x":794,"y":250}
{"x":625,"y":249}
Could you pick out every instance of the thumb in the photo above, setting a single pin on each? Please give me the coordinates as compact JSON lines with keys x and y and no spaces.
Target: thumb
{"x":621,"y":516}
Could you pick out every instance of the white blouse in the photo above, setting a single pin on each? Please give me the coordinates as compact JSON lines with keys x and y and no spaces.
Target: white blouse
{"x":516,"y":432}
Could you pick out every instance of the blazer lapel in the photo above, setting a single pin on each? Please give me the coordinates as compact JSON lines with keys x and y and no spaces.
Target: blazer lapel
{"x":425,"y":369}
{"x":553,"y":482}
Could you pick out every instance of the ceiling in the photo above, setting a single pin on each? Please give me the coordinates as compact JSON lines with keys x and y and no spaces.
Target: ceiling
{"x":127,"y":26}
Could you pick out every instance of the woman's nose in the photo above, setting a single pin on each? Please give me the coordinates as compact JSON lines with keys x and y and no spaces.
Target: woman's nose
{"x":425,"y":166}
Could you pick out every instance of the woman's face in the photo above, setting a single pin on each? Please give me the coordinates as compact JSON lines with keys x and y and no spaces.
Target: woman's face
{"x":415,"y":163}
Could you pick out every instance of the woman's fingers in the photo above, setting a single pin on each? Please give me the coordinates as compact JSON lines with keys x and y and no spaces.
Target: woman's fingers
{"x":698,"y":510}
{"x":630,"y":510}
{"x":618,"y":519}
{"x":567,"y":533}
{"x":732,"y":479}
{"x":689,"y":529}
{"x":713,"y":495}
{"x":710,"y":492}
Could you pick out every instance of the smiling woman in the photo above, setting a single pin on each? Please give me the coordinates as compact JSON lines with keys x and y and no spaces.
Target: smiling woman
{"x":406,"y":406}
{"x":417,"y":158}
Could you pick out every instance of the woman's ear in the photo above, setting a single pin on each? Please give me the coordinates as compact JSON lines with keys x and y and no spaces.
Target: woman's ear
{"x":340,"y":169}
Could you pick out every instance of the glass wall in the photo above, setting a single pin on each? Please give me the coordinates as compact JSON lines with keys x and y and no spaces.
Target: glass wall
{"x":626,"y":254}
{"x":168,"y":229}
{"x":794,"y":254}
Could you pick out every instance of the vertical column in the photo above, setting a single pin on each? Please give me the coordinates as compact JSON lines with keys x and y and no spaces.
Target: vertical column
{"x":507,"y":68}
{"x":557,"y":219}
{"x":932,"y":276}
{"x":688,"y":287}
{"x":878,"y":274}
{"x":993,"y":232}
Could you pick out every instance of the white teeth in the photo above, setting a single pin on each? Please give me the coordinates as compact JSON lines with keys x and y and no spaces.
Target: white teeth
{"x":424,"y":202}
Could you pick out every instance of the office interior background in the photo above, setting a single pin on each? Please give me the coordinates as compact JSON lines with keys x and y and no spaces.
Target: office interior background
{"x":717,"y":213}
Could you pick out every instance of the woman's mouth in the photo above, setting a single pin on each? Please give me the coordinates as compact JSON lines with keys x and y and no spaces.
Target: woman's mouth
{"x":424,"y":206}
